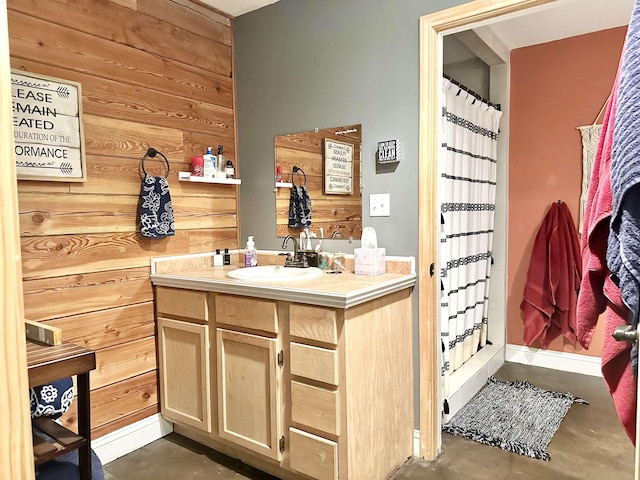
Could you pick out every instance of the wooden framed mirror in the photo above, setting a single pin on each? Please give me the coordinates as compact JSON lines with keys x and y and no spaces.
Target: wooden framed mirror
{"x":301,"y":158}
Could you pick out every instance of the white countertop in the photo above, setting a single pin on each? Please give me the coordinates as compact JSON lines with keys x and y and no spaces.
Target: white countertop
{"x":343,"y":290}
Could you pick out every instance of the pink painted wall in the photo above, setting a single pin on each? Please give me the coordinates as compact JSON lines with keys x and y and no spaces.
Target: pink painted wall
{"x":555,"y":87}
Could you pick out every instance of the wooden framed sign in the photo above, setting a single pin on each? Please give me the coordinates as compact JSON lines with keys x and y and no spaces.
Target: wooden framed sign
{"x":47,"y":128}
{"x":338,"y":167}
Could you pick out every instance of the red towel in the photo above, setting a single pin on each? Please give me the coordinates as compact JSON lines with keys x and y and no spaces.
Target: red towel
{"x":598,"y":293}
{"x":553,"y":278}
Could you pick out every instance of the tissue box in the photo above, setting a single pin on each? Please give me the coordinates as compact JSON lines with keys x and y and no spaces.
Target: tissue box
{"x":369,"y":261}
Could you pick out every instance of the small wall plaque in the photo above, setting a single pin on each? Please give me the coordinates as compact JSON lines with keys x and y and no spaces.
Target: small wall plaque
{"x":388,"y":151}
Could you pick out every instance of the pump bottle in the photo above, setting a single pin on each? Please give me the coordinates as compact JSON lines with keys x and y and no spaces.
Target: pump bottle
{"x":250,"y":254}
{"x":210,"y":164}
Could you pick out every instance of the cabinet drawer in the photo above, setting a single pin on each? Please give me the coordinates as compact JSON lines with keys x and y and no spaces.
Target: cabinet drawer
{"x":316,"y":363}
{"x":314,"y":323}
{"x":247,"y":312}
{"x":181,"y":303}
{"x":314,"y":456}
{"x":315,"y":407}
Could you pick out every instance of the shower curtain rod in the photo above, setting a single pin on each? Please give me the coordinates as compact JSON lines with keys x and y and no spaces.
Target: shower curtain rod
{"x":471,"y":92}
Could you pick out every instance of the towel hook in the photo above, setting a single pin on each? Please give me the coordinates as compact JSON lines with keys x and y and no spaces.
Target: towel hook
{"x":297,"y":170}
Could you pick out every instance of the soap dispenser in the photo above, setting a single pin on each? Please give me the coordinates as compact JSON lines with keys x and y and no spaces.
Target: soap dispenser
{"x":250,"y":254}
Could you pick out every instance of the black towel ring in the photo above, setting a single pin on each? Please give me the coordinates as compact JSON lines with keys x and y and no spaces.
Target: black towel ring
{"x":297,"y":170}
{"x":152,"y":152}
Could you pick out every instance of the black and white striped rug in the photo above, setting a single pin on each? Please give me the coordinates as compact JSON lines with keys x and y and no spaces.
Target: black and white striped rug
{"x":515,"y":416}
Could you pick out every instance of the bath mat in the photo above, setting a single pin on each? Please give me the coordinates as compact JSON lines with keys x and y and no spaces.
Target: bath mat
{"x":514,"y":416}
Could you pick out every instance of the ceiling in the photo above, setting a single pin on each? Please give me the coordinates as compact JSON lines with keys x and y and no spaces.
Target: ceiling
{"x":560,"y":19}
{"x":554,"y":21}
{"x":237,"y":7}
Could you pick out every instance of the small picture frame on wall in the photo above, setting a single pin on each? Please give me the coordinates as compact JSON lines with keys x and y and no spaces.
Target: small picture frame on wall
{"x":338,"y":167}
{"x":47,"y":128}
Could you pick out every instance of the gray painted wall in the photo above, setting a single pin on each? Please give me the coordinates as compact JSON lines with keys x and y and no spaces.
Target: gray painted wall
{"x":302,"y":64}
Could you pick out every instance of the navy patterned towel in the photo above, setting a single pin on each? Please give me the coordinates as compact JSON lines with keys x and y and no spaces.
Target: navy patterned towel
{"x":299,"y":207}
{"x":155,"y":211}
{"x":52,"y":399}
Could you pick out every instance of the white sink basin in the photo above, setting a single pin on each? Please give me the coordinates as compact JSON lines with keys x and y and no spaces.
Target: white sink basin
{"x":274,"y":273}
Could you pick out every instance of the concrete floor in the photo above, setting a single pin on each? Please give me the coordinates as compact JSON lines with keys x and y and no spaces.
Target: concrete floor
{"x":590,"y":444}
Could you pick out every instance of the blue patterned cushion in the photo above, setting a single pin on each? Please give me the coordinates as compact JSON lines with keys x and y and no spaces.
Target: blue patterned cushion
{"x":52,"y":399}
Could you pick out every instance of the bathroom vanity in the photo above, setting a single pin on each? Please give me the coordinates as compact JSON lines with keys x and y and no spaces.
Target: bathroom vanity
{"x":303,"y":379}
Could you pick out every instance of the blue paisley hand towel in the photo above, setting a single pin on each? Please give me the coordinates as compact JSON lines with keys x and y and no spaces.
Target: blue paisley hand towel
{"x":156,"y":210}
{"x":299,"y":207}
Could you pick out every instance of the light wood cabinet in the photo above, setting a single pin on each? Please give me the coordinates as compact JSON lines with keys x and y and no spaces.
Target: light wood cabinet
{"x":249,"y":395}
{"x":312,"y":455}
{"x":351,"y":389}
{"x":302,"y":391}
{"x":185,"y":392}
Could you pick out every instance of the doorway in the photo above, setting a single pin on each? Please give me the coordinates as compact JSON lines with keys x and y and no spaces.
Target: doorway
{"x":432,"y":29}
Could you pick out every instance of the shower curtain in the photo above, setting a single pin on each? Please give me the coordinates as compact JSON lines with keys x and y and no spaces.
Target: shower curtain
{"x":467,"y":167}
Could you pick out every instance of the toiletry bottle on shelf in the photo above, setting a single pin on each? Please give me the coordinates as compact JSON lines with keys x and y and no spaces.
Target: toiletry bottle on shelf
{"x":278,"y":173}
{"x":222,"y":163}
{"x":226,"y":258}
{"x":197,"y":166}
{"x":229,"y":170}
{"x":210,"y":164}
{"x":250,"y":254}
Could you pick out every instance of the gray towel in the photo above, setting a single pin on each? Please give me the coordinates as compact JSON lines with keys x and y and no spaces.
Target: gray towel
{"x":623,"y":249}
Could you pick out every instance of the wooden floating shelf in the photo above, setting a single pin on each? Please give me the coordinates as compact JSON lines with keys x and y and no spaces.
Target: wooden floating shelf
{"x":187,"y":177}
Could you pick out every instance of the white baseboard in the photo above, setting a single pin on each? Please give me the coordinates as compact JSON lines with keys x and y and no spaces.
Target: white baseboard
{"x":132,"y":437}
{"x":568,"y":362}
{"x":469,"y":379}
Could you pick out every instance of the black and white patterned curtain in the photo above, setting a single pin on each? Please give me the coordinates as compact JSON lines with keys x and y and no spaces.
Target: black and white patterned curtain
{"x":467,"y":166}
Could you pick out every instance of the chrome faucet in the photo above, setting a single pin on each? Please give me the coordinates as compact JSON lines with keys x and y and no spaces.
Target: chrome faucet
{"x":296,"y":261}
{"x":295,"y":245}
{"x":338,"y":234}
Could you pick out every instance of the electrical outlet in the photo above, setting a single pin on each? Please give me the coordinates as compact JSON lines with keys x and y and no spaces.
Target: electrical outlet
{"x":379,"y":205}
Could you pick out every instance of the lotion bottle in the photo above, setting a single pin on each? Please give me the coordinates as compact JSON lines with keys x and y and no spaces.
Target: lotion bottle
{"x":210,"y":164}
{"x":250,"y":254}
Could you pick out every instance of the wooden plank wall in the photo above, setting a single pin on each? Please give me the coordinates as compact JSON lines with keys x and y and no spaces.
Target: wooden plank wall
{"x":333,"y":213}
{"x":153,"y":73}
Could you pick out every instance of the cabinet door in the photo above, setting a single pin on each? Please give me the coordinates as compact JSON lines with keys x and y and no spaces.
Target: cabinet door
{"x":249,"y":380}
{"x":185,"y":395}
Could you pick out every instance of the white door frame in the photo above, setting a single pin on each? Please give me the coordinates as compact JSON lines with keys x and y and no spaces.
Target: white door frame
{"x":432,"y":29}
{"x":16,"y":454}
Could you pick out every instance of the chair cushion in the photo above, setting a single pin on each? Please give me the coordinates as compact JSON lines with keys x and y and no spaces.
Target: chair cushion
{"x":52,"y":399}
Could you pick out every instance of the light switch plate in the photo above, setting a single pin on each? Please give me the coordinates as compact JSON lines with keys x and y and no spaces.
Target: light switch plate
{"x":379,"y":205}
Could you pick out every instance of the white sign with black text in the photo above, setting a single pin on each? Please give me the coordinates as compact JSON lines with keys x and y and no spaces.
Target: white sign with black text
{"x":47,"y":128}
{"x":338,"y":167}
